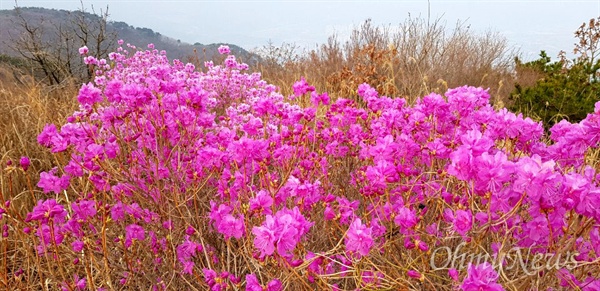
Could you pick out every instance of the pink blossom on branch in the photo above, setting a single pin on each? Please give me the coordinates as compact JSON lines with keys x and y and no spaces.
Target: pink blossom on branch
{"x":481,"y":277}
{"x":224,"y":50}
{"x":359,"y":239}
{"x":83,"y":50}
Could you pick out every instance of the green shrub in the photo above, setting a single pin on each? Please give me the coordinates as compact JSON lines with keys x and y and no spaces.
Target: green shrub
{"x":562,"y":89}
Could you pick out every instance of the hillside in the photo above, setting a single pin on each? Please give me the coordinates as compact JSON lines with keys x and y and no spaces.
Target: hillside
{"x":47,"y":21}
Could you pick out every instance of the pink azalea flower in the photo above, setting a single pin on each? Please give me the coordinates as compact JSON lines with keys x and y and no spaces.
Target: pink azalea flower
{"x":261,"y":203}
{"x":282,"y":232}
{"x":89,"y":94}
{"x":80,"y":283}
{"x":224,"y":50}
{"x":316,"y":98}
{"x":405,"y":218}
{"x":453,"y":273}
{"x":414,"y":274}
{"x":185,"y":252}
{"x":47,"y":237}
{"x":231,"y":226}
{"x":117,"y":211}
{"x":83,"y":50}
{"x":83,"y":209}
{"x":50,"y":137}
{"x":265,"y":238}
{"x":252,"y":283}
{"x":77,"y":246}
{"x":481,"y":277}
{"x":287,"y":234}
{"x":133,"y":231}
{"x":302,"y":87}
{"x":463,"y":221}
{"x":274,"y":285}
{"x":48,"y":209}
{"x":358,"y":238}
{"x":49,"y":182}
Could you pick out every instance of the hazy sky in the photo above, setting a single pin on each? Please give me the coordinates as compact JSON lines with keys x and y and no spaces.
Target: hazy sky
{"x":529,"y":25}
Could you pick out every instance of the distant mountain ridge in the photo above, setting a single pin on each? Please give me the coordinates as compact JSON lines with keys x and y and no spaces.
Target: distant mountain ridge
{"x":49,"y":19}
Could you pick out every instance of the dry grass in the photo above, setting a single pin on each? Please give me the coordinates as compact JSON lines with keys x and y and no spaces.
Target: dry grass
{"x":410,"y":60}
{"x":25,"y":108}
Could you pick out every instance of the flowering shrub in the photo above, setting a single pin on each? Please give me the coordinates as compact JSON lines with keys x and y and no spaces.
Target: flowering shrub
{"x":175,"y":179}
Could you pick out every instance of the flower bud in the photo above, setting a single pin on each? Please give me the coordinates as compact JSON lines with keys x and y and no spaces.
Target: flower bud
{"x":25,"y":163}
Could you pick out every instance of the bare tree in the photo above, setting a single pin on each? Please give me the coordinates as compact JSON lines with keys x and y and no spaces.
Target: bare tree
{"x":30,"y":45}
{"x":93,"y":33}
{"x":52,"y":45}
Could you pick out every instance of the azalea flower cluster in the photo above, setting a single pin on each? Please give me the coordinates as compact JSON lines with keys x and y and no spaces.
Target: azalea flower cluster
{"x":168,"y":173}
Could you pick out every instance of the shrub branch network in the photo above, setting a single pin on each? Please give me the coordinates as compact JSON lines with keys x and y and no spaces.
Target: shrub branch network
{"x":169,"y":176}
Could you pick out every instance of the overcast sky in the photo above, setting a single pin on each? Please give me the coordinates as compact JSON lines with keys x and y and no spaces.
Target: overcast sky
{"x":529,"y":25}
